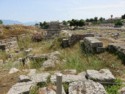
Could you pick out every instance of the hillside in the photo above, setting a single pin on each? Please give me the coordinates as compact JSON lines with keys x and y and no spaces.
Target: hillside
{"x":27,"y":57}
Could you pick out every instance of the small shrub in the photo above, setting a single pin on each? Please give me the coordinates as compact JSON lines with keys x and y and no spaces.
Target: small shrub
{"x":113,"y":89}
{"x":37,"y":37}
{"x":66,"y":87}
{"x":36,"y":63}
{"x":34,"y":90}
{"x":118,"y":23}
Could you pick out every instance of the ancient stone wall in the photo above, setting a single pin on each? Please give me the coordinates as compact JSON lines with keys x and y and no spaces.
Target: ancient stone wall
{"x":93,"y":45}
{"x":74,"y":39}
{"x":8,"y":44}
{"x":118,"y":49}
{"x":53,"y":30}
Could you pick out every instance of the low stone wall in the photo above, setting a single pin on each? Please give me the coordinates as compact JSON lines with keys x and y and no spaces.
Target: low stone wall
{"x":74,"y":39}
{"x":52,"y":33}
{"x":118,"y":49}
{"x":8,"y":44}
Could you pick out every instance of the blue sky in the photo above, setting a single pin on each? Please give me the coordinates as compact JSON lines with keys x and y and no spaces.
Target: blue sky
{"x":40,"y":10}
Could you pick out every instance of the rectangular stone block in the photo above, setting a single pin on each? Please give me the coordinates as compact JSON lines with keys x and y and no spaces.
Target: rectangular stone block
{"x":100,"y":49}
{"x":93,"y":42}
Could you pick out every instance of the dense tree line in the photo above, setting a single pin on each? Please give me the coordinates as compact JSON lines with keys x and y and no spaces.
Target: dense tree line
{"x":43,"y":25}
{"x":76,"y":23}
{"x":81,"y":22}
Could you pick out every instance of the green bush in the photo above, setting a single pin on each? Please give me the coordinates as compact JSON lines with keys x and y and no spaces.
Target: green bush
{"x":118,"y":23}
{"x":113,"y":89}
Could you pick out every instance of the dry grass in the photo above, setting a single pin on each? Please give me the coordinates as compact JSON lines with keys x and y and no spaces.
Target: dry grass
{"x":15,"y":30}
{"x":75,"y":57}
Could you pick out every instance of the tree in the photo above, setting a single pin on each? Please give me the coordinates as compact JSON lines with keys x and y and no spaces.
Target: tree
{"x":87,"y":20}
{"x":81,"y":22}
{"x":91,"y":20}
{"x":65,"y":23}
{"x":45,"y":25}
{"x":41,"y":24}
{"x":101,"y":19}
{"x":118,"y":23}
{"x":1,"y":22}
{"x":111,"y":17}
{"x":123,"y":16}
{"x":95,"y":19}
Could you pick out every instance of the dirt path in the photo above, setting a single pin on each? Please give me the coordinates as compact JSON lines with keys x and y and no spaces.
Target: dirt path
{"x":7,"y":80}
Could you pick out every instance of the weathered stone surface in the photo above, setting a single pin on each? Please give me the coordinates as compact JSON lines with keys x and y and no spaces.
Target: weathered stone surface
{"x":54,"y":54}
{"x":93,"y":45}
{"x":120,"y":47}
{"x":20,"y":88}
{"x":74,"y":38}
{"x":8,"y":44}
{"x":121,"y":91}
{"x":38,"y":57}
{"x":24,"y":78}
{"x":65,"y":43}
{"x":32,"y":72}
{"x":69,"y":77}
{"x":28,"y":50}
{"x":70,"y":71}
{"x":49,"y":90}
{"x":86,"y":87}
{"x":104,"y":75}
{"x":53,"y":29}
{"x":13,"y":70}
{"x":49,"y":64}
{"x":93,"y":42}
{"x":40,"y":77}
{"x":53,"y":60}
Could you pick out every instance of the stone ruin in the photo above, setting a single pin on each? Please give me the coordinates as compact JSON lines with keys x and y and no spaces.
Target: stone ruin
{"x":53,"y":29}
{"x":8,"y":44}
{"x":93,"y":45}
{"x":74,"y":39}
{"x":81,"y":83}
{"x":117,"y":48}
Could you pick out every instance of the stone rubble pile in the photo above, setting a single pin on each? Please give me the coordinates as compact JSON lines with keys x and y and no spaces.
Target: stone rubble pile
{"x":51,"y":59}
{"x":9,"y":44}
{"x":78,"y":83}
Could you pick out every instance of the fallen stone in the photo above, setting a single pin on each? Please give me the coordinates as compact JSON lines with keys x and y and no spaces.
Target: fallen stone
{"x":52,"y":60}
{"x":49,"y":90}
{"x":40,"y":77}
{"x":50,"y":63}
{"x":104,"y":75}
{"x":93,"y":42}
{"x":20,"y":88}
{"x":28,"y":50}
{"x":31,"y":72}
{"x":24,"y":78}
{"x":13,"y":70}
{"x":54,"y":55}
{"x":69,"y":77}
{"x":86,"y":87}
